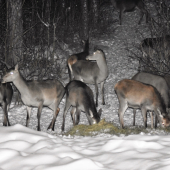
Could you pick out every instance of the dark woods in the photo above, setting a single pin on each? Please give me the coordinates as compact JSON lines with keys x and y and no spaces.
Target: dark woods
{"x":32,"y":30}
{"x":42,"y":33}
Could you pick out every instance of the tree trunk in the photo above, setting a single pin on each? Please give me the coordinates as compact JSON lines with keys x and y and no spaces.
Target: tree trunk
{"x":95,"y":12}
{"x":15,"y":31}
{"x":85,"y":19}
{"x":62,"y":14}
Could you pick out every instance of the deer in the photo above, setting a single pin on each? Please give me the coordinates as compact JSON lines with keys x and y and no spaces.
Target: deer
{"x":129,"y":6}
{"x":156,"y":46}
{"x":167,"y":78}
{"x":92,"y":72}
{"x":79,"y":56}
{"x":6,"y":93}
{"x":37,"y":93}
{"x":80,"y":97}
{"x":137,"y":95}
{"x":158,"y":82}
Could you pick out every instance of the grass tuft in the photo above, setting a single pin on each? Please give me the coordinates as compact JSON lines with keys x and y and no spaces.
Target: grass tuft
{"x":103,"y":127}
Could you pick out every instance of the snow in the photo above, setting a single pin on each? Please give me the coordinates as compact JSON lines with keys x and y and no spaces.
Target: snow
{"x":24,"y":148}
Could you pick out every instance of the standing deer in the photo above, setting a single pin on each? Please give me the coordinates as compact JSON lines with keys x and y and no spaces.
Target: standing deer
{"x":79,"y":56}
{"x":129,"y":6}
{"x":167,"y":78}
{"x":158,"y":82}
{"x":80,"y":97}
{"x":137,"y":95}
{"x":6,"y":93}
{"x":91,"y":72}
{"x":37,"y":94}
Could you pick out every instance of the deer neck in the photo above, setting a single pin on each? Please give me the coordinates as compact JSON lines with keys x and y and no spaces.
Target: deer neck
{"x":86,"y":47}
{"x":102,"y":66}
{"x":21,"y":84}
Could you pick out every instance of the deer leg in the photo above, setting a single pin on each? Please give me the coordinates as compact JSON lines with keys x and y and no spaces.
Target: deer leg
{"x":54,"y":119}
{"x":72,"y":113}
{"x":39,"y":115}
{"x":134,"y":116}
{"x":56,"y":110}
{"x":102,"y":92}
{"x":144,"y":116}
{"x":88,"y":115}
{"x":151,"y":115}
{"x":156,"y":120}
{"x":78,"y":111}
{"x":28,"y":115}
{"x":96,"y":89}
{"x":122,"y":108}
{"x":6,"y":121}
{"x":55,"y":114}
{"x":65,"y":112}
{"x":158,"y":117}
{"x":8,"y":105}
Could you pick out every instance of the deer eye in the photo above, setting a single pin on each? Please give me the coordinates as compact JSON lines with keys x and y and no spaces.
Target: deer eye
{"x":11,"y":73}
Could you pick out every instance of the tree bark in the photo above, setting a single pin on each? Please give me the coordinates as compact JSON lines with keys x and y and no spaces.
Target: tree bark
{"x":85,"y":19}
{"x":95,"y":12}
{"x":15,"y":31}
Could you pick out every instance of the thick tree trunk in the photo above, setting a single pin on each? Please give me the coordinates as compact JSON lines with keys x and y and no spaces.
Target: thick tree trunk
{"x":85,"y":18}
{"x":15,"y":31}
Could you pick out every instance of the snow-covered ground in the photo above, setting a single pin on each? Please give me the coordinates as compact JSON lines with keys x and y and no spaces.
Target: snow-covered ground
{"x":24,"y":148}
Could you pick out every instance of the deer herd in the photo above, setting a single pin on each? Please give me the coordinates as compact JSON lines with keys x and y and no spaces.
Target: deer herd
{"x":144,"y":91}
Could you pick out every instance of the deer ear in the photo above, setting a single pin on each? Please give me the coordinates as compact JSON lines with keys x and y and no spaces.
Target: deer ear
{"x":16,"y":67}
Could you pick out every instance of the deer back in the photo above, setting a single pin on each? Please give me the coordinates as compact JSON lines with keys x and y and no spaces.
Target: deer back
{"x":157,"y":81}
{"x":137,"y":94}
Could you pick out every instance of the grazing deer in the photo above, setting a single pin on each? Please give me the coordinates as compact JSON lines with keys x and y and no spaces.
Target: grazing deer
{"x":156,"y":46}
{"x":79,"y":56}
{"x":134,"y":94}
{"x":80,"y":97}
{"x":129,"y":6}
{"x":158,"y":82}
{"x":92,"y":72}
{"x":37,"y":94}
{"x":6,"y":93}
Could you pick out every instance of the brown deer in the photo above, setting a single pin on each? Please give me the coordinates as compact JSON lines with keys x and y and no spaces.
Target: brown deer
{"x":91,"y":72}
{"x":6,"y":93}
{"x":37,"y":94}
{"x":158,"y":82}
{"x":80,"y":97}
{"x":79,"y":56}
{"x":134,"y":94}
{"x":129,"y":6}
